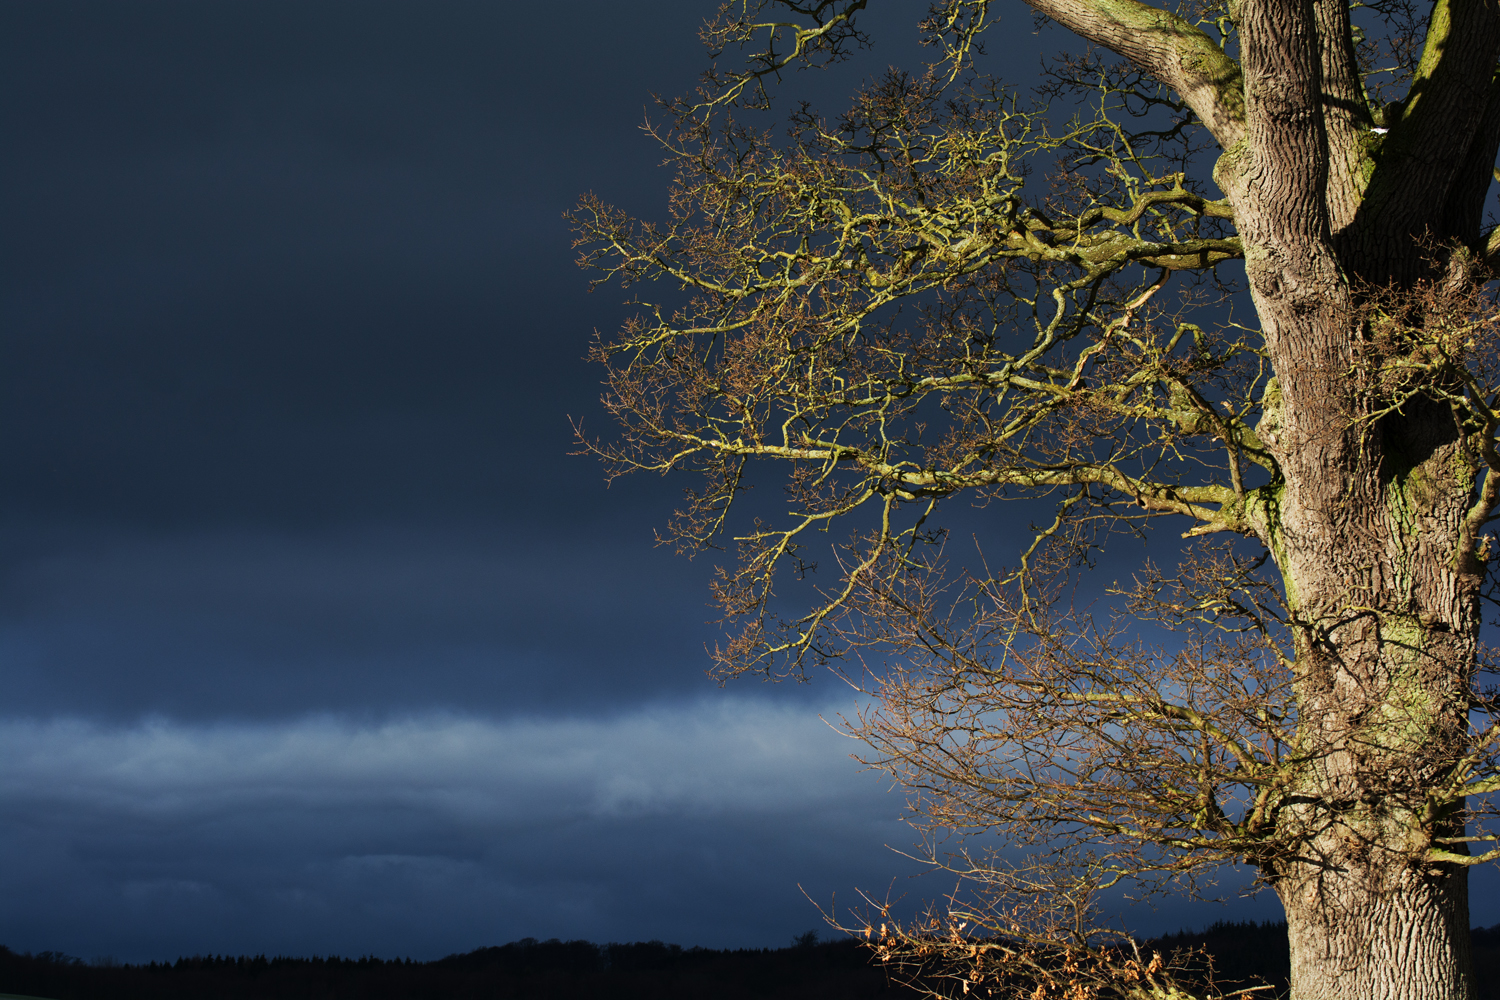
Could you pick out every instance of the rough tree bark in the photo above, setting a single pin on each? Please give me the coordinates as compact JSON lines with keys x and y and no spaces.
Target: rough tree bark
{"x":1360,"y":229}
{"x":1373,"y":531}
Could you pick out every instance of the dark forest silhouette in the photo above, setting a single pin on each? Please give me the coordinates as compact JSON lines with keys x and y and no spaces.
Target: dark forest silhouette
{"x":565,"y":970}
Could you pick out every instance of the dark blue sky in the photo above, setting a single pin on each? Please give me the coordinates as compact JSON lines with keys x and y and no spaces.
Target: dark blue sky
{"x":292,"y":334}
{"x":313,"y":638}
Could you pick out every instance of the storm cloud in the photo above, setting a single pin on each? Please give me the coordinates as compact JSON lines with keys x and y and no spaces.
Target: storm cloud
{"x":314,"y":637}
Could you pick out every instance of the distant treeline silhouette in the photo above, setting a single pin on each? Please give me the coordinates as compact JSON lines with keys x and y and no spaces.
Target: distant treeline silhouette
{"x":555,"y":970}
{"x":575,"y":970}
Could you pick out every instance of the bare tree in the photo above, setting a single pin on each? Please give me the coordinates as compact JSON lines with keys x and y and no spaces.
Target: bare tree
{"x":950,"y":293}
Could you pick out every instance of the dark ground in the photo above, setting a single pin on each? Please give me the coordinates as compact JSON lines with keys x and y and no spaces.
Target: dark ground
{"x":565,"y":970}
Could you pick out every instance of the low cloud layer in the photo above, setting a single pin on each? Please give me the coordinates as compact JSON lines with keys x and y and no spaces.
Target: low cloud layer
{"x":432,"y":834}
{"x":735,"y":754}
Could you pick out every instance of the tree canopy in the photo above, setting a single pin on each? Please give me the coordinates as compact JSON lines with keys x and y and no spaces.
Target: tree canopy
{"x":957,"y":291}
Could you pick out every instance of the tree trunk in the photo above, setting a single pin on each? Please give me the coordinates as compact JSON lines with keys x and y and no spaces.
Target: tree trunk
{"x":1366,"y":932}
{"x":1372,"y":537}
{"x":1371,"y":532}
